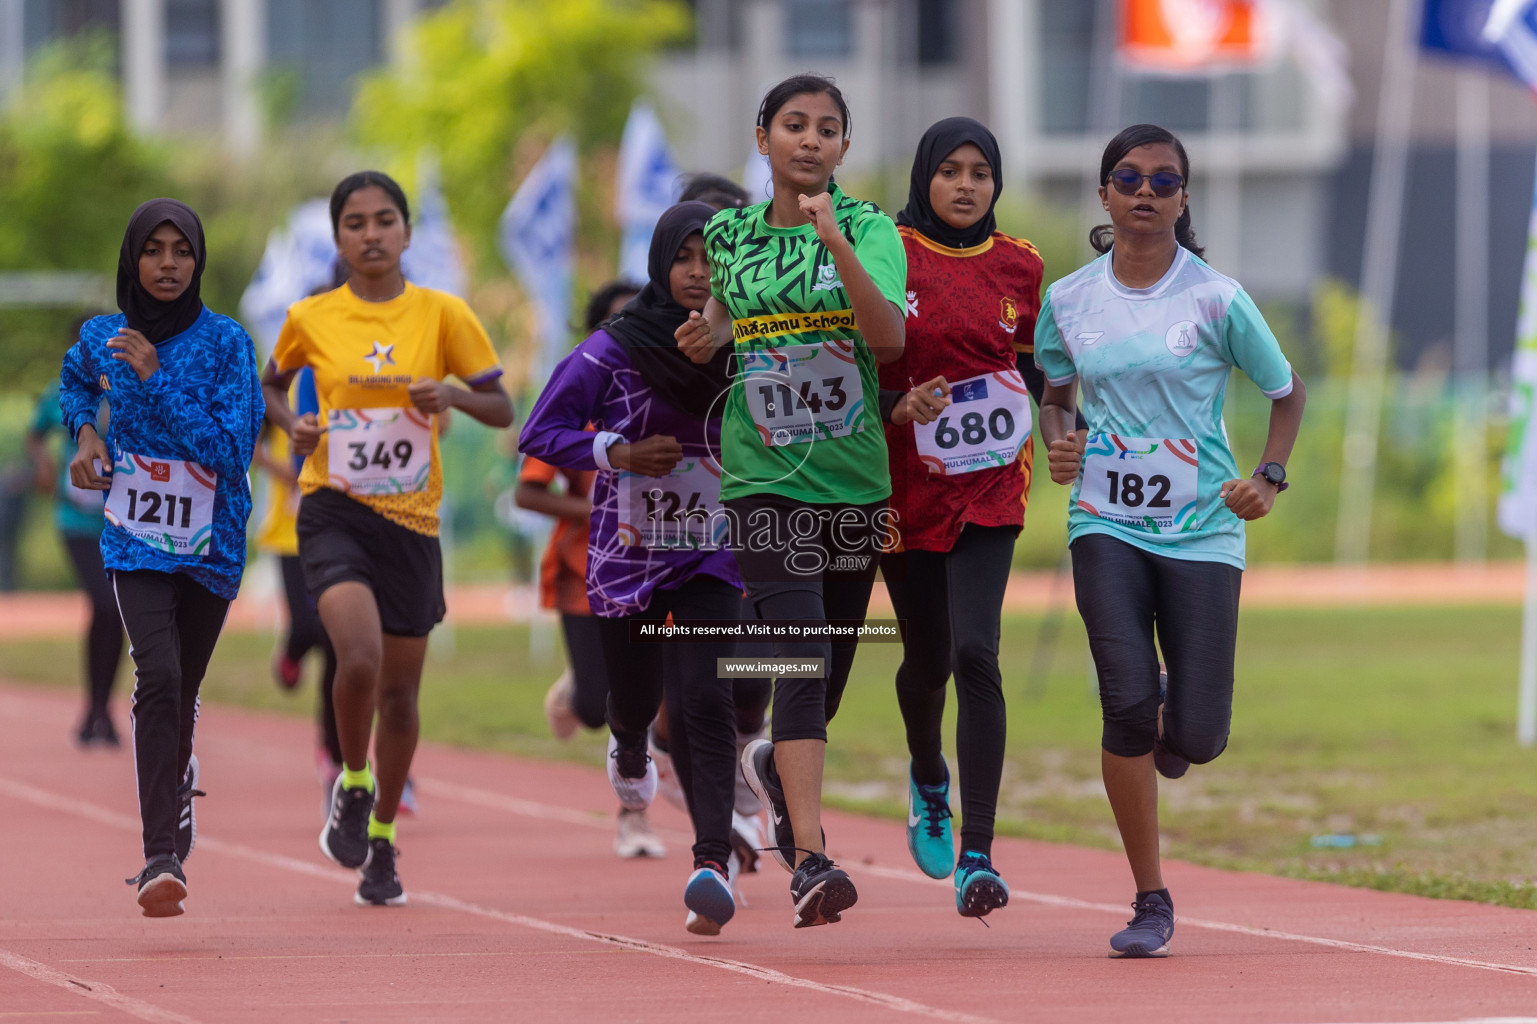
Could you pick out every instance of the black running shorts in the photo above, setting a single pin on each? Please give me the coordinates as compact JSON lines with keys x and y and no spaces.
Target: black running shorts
{"x":342,"y":540}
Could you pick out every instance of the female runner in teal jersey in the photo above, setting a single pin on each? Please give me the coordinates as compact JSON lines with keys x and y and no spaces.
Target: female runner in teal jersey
{"x":1156,"y":524}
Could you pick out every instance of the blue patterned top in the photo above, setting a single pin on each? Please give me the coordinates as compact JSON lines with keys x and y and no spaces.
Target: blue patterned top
{"x":203,"y":405}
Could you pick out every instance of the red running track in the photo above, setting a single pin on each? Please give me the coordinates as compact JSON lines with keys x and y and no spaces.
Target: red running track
{"x":520,"y":911}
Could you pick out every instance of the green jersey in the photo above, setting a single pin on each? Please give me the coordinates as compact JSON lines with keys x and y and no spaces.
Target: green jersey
{"x":802,"y":417}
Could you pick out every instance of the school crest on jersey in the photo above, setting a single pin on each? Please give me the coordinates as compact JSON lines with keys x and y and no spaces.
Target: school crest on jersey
{"x":1008,"y":315}
{"x":827,"y":278}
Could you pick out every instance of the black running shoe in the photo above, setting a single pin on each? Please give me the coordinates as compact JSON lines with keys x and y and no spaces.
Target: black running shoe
{"x":162,"y":886}
{"x":763,"y":780}
{"x":186,"y":820}
{"x":822,"y":891}
{"x":378,"y":885}
{"x":345,"y":837}
{"x":1169,"y":764}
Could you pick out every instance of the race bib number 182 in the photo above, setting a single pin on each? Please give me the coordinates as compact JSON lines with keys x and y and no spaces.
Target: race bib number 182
{"x":165,"y":503}
{"x":986,"y":424}
{"x":378,"y":451}
{"x":1147,"y":483}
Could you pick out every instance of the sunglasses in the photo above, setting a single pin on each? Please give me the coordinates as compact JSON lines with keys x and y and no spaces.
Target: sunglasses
{"x":1127,"y":181}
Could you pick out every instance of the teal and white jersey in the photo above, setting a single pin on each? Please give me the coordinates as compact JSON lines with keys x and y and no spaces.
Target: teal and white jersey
{"x":1152,"y":366}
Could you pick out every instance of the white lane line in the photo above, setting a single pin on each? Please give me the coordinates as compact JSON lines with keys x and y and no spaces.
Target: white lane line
{"x":80,"y":808}
{"x":104,"y":994}
{"x":515,"y":805}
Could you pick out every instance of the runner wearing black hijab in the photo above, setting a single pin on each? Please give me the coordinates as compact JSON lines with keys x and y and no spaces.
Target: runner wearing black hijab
{"x":960,"y":473}
{"x":186,"y":406}
{"x":657,"y":543}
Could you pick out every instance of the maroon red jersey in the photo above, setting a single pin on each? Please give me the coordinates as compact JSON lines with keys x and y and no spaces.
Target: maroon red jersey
{"x":969,"y":312}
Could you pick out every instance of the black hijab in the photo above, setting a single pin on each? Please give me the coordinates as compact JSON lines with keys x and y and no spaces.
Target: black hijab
{"x":158,"y":320}
{"x":646,"y":324}
{"x":942,"y":139}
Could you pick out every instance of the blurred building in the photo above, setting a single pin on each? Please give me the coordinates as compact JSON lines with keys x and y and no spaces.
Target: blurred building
{"x":1281,"y":172}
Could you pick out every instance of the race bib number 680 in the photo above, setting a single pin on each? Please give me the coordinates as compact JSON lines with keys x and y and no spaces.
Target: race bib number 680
{"x":1147,"y":483}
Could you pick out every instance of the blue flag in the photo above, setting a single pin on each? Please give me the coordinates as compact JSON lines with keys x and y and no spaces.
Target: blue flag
{"x":648,"y":183}
{"x":299,"y":258}
{"x":537,"y":241}
{"x":432,"y":260}
{"x":1455,"y":28}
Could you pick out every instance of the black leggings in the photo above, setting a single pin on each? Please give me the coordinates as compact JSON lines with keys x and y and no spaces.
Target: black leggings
{"x":700,"y":718}
{"x":173,"y":623}
{"x":1124,"y":594}
{"x":807,"y":563}
{"x":949,"y":605}
{"x":305,"y":633}
{"x":104,"y":636}
{"x":589,"y":675}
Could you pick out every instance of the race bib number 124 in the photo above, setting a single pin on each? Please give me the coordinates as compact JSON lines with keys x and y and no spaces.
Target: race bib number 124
{"x":1147,"y":483}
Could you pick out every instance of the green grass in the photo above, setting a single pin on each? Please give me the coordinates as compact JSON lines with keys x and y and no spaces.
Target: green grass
{"x":1392,"y":723}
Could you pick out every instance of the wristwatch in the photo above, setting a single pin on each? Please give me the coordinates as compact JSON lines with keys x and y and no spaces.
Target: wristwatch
{"x":1273,"y":472}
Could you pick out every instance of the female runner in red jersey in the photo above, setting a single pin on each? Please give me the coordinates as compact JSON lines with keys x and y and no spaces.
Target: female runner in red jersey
{"x":960,"y":473}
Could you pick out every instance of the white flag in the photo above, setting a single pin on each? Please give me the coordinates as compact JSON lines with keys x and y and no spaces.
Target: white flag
{"x":1512,"y":26}
{"x":299,"y":258}
{"x":537,"y":240}
{"x":1518,"y":471}
{"x":648,"y":183}
{"x":432,"y":260}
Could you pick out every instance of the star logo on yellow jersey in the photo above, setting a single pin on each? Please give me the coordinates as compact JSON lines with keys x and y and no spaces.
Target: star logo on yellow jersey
{"x":382,"y":355}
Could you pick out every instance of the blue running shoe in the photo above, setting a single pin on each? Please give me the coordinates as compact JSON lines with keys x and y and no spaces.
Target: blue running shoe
{"x":979,"y":890}
{"x":1148,"y":933}
{"x":928,"y":827}
{"x":709,"y":900}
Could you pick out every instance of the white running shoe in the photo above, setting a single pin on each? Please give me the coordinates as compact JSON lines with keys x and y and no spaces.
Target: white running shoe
{"x":635,"y":838}
{"x":557,"y":707}
{"x":667,"y":785}
{"x":634,"y":782}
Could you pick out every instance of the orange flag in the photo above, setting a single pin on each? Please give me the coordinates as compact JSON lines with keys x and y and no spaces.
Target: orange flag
{"x":1195,"y":36}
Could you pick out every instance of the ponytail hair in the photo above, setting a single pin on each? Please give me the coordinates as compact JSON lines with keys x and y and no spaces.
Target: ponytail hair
{"x":1102,"y":236}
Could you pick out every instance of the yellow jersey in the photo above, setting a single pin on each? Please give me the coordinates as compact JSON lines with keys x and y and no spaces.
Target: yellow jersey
{"x":365,"y":355}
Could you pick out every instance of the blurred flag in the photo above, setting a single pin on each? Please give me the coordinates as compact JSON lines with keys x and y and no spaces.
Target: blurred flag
{"x":537,"y":241}
{"x":1456,"y":28}
{"x":433,"y":259}
{"x":1512,"y":26}
{"x":757,"y":178}
{"x":1196,"y":36}
{"x":1518,"y":471}
{"x":648,"y":183}
{"x":298,"y":260}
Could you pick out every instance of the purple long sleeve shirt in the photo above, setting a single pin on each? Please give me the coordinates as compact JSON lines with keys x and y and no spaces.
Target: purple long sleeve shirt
{"x":637,"y":543}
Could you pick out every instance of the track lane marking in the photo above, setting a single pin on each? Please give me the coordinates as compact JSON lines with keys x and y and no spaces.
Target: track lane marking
{"x":101,"y":815}
{"x":100,"y":992}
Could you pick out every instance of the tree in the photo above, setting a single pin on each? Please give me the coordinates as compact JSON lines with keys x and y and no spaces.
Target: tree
{"x":487,"y":82}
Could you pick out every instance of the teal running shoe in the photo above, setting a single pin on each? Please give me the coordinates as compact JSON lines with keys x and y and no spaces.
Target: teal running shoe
{"x":928,"y":827}
{"x":979,"y":890}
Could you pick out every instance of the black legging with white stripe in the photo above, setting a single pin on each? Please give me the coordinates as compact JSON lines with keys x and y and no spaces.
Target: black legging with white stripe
{"x":173,"y":623}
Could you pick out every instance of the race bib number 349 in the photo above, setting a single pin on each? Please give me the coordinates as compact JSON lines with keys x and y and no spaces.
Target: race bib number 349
{"x":802,"y":393}
{"x":378,"y":451}
{"x":165,"y":503}
{"x":986,"y":424}
{"x":1147,"y":483}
